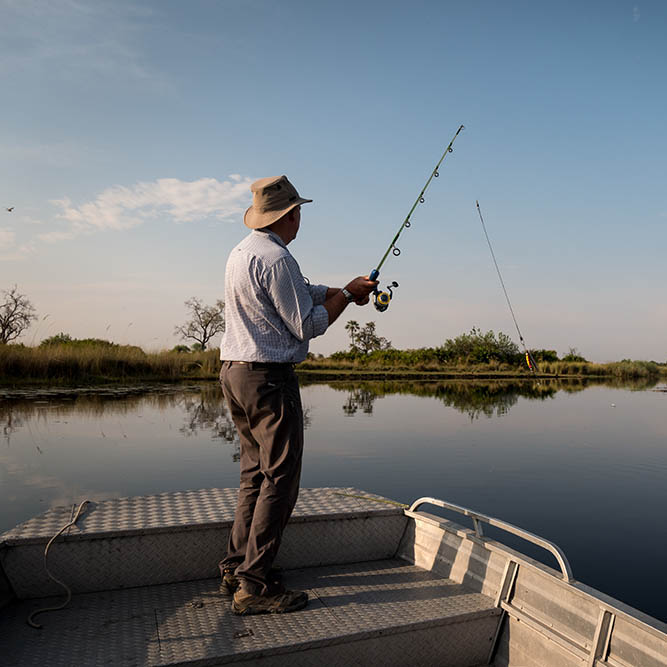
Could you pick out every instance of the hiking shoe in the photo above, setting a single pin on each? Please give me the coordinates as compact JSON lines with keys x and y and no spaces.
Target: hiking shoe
{"x":246,"y":604}
{"x":229,"y":582}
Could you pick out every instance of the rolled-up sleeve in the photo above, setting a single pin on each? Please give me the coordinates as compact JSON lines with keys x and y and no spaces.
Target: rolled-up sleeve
{"x":293,"y":301}
{"x":320,"y":318}
{"x":318,"y":293}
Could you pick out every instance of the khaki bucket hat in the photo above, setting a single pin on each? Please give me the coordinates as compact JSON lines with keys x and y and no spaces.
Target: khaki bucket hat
{"x":272,"y":197}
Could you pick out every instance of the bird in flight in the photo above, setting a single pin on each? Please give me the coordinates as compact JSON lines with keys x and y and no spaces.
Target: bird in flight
{"x":10,"y":209}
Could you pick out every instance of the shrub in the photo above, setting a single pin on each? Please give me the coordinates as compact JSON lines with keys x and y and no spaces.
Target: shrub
{"x":477,"y":347}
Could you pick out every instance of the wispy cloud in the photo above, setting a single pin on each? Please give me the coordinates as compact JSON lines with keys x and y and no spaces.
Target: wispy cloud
{"x":7,"y":238}
{"x":10,"y":252}
{"x":121,"y":207}
{"x":635,"y":14}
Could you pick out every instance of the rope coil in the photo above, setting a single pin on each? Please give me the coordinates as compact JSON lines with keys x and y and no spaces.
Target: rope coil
{"x":30,"y":618}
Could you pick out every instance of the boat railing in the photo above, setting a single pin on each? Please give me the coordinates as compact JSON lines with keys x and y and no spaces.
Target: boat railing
{"x":478,"y":518}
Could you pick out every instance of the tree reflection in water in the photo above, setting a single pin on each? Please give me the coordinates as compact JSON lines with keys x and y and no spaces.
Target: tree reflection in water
{"x":204,"y":409}
{"x":207,"y":411}
{"x":476,"y":398}
{"x":360,"y":399}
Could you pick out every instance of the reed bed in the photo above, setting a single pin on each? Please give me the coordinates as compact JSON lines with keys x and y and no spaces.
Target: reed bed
{"x":68,"y":363}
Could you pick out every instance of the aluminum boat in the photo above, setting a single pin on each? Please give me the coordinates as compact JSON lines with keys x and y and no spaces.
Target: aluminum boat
{"x":388,"y":585}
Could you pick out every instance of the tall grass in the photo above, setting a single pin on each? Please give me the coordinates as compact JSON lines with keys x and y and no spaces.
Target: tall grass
{"x":69,"y":363}
{"x":619,"y":369}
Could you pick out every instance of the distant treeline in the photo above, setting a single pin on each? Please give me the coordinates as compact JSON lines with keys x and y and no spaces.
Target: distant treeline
{"x":476,"y":352}
{"x":425,"y":361}
{"x":62,"y":359}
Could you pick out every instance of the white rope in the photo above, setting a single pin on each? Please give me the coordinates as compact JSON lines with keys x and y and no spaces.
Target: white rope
{"x":30,"y":620}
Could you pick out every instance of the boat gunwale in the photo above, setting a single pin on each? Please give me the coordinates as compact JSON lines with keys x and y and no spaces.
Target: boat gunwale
{"x":605,"y":602}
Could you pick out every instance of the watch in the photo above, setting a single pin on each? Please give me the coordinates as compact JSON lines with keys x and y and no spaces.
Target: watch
{"x":348,"y":295}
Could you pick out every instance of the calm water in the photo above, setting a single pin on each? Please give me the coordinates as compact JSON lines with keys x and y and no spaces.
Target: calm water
{"x":585,"y":467}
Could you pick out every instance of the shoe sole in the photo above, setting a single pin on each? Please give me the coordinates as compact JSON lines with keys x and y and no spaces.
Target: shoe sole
{"x":253,"y":611}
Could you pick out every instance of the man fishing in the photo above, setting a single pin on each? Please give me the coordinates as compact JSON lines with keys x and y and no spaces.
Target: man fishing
{"x":271,"y":314}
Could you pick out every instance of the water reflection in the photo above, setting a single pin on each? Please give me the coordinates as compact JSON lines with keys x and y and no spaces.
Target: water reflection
{"x":201,"y":406}
{"x":206,"y":411}
{"x":476,"y":398}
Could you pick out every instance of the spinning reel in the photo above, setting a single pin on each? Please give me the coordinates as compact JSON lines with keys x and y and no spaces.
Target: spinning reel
{"x":381,"y":300}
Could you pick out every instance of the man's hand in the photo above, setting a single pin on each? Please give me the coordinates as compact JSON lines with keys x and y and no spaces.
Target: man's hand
{"x":360,"y":288}
{"x":336,"y":302}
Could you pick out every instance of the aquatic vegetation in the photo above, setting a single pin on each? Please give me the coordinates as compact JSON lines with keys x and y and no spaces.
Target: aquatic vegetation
{"x":65,"y":362}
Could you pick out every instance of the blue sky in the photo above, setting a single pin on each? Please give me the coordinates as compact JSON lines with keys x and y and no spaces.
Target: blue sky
{"x":131,"y":130}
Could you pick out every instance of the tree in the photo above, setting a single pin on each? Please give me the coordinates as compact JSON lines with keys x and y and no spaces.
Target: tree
{"x":61,"y":338}
{"x":16,"y":314}
{"x":480,"y":348}
{"x":352,"y":327}
{"x":544,"y":355}
{"x":204,"y":323}
{"x":364,"y":339}
{"x":573,"y":355}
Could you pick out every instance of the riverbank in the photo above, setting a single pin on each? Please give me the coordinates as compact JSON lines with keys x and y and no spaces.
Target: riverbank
{"x":66,"y":364}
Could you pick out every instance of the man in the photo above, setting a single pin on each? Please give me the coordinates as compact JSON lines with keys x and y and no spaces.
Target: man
{"x":271,"y":313}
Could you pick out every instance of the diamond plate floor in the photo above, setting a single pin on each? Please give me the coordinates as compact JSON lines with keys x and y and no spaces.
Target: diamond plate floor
{"x":352,"y":608}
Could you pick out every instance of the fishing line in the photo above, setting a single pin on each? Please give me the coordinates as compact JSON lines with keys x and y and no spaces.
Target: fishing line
{"x":529,"y":357}
{"x":381,"y":299}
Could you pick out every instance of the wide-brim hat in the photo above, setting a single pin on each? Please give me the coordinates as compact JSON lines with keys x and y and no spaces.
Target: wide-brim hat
{"x":272,"y":197}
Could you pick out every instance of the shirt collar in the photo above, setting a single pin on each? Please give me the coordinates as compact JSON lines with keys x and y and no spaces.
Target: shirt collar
{"x":272,"y":234}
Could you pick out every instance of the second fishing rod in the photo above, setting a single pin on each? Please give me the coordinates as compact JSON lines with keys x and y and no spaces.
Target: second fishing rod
{"x":381,"y":299}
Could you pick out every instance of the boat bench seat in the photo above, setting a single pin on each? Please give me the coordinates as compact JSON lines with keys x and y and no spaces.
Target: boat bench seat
{"x":181,"y":536}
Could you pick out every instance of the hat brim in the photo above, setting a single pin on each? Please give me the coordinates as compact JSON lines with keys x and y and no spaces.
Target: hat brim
{"x":257,"y":220}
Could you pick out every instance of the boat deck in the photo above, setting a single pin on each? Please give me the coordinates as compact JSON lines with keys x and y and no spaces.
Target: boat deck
{"x":388,"y":586}
{"x":397,"y":612}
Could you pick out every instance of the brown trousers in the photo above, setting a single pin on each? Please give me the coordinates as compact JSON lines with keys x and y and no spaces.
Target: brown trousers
{"x":265,"y":406}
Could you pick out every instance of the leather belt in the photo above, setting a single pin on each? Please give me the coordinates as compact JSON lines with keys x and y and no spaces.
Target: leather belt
{"x":257,"y":365}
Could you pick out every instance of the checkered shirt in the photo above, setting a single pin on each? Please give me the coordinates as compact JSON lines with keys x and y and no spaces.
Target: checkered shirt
{"x":271,"y":312}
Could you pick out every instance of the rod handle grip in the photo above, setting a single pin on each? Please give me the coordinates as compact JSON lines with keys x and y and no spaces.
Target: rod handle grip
{"x":373,"y":275}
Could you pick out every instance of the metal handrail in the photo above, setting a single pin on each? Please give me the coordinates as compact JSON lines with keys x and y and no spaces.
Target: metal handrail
{"x":476,"y":517}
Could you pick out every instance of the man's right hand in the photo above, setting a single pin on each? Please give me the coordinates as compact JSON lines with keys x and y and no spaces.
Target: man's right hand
{"x":360,"y":288}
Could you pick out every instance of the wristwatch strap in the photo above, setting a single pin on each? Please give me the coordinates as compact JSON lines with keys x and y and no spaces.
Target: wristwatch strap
{"x":348,"y":295}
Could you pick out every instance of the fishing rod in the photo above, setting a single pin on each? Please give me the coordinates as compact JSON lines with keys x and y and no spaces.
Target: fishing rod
{"x":382,"y":299}
{"x":530,"y":361}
